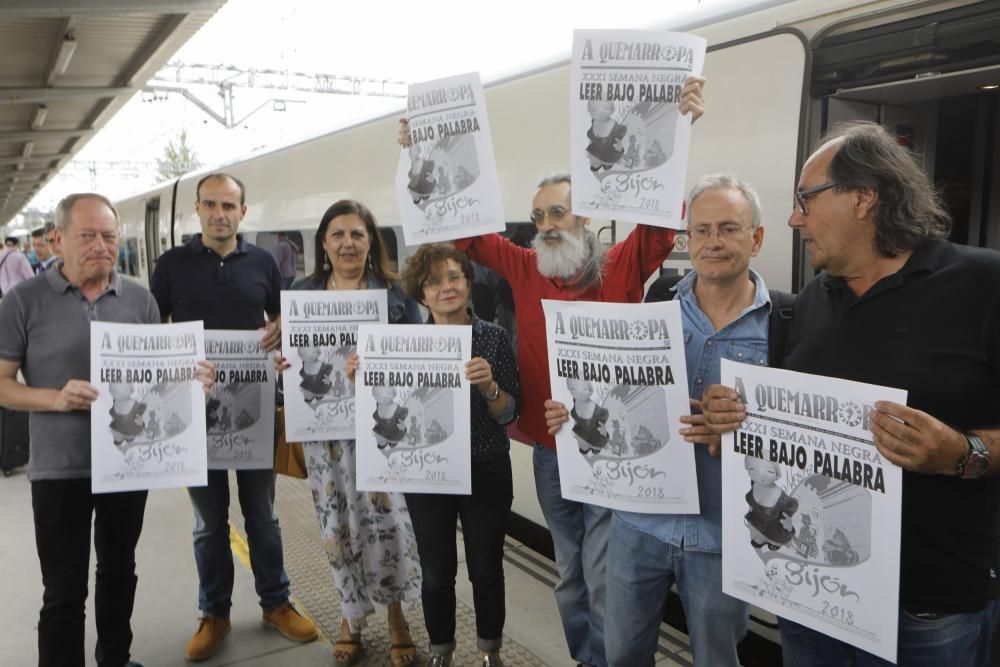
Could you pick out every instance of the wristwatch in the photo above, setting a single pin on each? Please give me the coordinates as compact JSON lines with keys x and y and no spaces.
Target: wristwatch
{"x":496,"y":392}
{"x":974,"y":462}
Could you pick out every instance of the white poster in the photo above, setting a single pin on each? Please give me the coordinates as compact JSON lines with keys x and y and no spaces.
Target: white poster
{"x":446,"y":182}
{"x":147,"y":426}
{"x":318,"y":335}
{"x":620,"y":370}
{"x":628,"y":143}
{"x":239,"y":412}
{"x":810,"y":511}
{"x":413,"y":428}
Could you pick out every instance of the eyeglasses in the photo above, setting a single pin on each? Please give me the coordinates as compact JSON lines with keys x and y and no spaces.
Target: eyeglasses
{"x":556,"y":213}
{"x":724,"y":231}
{"x":802,"y":195}
{"x":452,"y":277}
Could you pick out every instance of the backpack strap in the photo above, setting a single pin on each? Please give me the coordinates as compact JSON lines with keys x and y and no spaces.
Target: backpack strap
{"x":778,"y":327}
{"x":660,"y":289}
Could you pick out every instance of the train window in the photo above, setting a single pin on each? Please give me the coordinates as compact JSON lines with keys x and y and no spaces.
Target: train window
{"x":269,"y":240}
{"x":128,"y":257}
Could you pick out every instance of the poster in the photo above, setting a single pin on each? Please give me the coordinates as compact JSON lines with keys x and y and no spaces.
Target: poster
{"x":810,"y":510}
{"x":413,"y":425}
{"x":620,"y":370}
{"x":446,"y":182}
{"x":239,"y":411}
{"x":628,"y":142}
{"x":318,"y":335}
{"x":147,"y":426}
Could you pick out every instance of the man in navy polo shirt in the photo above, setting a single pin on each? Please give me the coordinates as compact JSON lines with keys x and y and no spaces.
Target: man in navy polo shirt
{"x":229,"y":284}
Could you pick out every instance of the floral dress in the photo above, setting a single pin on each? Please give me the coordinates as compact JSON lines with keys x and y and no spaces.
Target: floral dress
{"x":368,"y":537}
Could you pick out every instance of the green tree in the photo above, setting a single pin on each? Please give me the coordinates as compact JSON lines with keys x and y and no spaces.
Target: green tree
{"x":178,"y":158}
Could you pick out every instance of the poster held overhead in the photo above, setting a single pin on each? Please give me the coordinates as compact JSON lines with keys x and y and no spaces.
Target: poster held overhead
{"x":446,"y":182}
{"x":628,"y":142}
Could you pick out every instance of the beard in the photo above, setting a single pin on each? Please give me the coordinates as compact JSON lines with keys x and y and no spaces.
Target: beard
{"x":564,"y":260}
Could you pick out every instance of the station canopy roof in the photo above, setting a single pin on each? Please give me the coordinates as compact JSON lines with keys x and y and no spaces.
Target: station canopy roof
{"x":67,"y":67}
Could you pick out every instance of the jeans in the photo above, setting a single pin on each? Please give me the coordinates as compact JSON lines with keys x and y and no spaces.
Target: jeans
{"x":580,"y":536}
{"x":642,"y":571}
{"x":62,"y":510}
{"x":484,"y":522}
{"x":212,"y":553}
{"x":955,"y":640}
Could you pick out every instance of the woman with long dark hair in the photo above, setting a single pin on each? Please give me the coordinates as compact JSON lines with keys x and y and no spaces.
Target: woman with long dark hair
{"x":368,"y":536}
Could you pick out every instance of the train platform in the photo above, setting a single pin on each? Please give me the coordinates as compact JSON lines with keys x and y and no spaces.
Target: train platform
{"x":166,"y":602}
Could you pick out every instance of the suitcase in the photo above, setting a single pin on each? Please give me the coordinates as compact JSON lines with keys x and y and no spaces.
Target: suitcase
{"x":13,"y":440}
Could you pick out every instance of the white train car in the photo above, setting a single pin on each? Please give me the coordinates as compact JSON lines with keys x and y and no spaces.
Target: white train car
{"x":779,"y":73}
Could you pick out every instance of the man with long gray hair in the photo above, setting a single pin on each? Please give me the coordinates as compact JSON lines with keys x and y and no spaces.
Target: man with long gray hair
{"x":898,"y":305}
{"x":568,"y":263}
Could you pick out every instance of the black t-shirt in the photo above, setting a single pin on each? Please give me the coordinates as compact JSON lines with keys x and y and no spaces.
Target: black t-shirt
{"x":933,"y":328}
{"x":192,"y":282}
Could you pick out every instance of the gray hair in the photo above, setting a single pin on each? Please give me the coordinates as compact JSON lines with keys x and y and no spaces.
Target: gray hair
{"x":728,"y":182}
{"x":555,"y":179}
{"x":65,"y":207}
{"x":592,"y":272}
{"x":909,"y":209}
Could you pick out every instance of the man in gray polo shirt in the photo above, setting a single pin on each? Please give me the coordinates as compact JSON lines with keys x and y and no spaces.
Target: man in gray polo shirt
{"x":57,"y":307}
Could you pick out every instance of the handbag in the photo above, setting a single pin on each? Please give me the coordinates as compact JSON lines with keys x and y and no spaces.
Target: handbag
{"x":289,"y":459}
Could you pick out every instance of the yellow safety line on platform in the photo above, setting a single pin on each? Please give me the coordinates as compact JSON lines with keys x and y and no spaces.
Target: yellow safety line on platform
{"x":242,"y":551}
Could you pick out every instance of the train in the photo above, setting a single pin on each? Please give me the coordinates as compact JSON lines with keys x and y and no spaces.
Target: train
{"x":779,"y":74}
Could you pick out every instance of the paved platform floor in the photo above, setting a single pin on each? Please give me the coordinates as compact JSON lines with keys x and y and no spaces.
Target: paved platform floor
{"x":166,"y":603}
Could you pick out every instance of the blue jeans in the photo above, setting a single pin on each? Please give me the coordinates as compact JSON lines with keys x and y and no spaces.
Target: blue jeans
{"x":580,"y":536}
{"x":212,"y":553}
{"x":642,"y":571}
{"x":955,"y":640}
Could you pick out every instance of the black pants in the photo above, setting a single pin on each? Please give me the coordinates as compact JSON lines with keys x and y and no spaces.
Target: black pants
{"x":484,"y":521}
{"x":62,"y":510}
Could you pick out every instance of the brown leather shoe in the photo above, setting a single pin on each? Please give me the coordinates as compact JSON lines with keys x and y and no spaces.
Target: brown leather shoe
{"x":291,"y":623}
{"x":207,"y":638}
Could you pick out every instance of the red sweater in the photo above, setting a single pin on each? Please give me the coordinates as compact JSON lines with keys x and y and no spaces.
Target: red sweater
{"x":629,"y":264}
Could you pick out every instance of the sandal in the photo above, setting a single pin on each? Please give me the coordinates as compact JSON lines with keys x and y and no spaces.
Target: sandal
{"x":403,"y":654}
{"x":349,"y":648}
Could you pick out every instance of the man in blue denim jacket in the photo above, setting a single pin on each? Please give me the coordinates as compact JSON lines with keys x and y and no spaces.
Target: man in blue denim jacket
{"x":725,"y":308}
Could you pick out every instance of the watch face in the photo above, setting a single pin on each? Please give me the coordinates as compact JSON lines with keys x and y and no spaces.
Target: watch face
{"x":975,"y":465}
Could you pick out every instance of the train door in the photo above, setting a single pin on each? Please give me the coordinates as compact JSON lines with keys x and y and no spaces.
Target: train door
{"x":754,"y":129}
{"x":934,"y":82}
{"x":152,"y":225}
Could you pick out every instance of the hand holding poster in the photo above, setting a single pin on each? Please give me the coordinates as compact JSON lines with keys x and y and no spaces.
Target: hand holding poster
{"x":620,"y":370}
{"x":446,"y":182}
{"x":318,"y":335}
{"x":239,"y":412}
{"x":413,"y":425}
{"x":628,"y":142}
{"x":147,"y":426}
{"x":810,"y":511}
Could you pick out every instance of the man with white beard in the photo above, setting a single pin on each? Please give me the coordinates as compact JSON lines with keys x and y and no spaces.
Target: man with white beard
{"x":568,"y":263}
